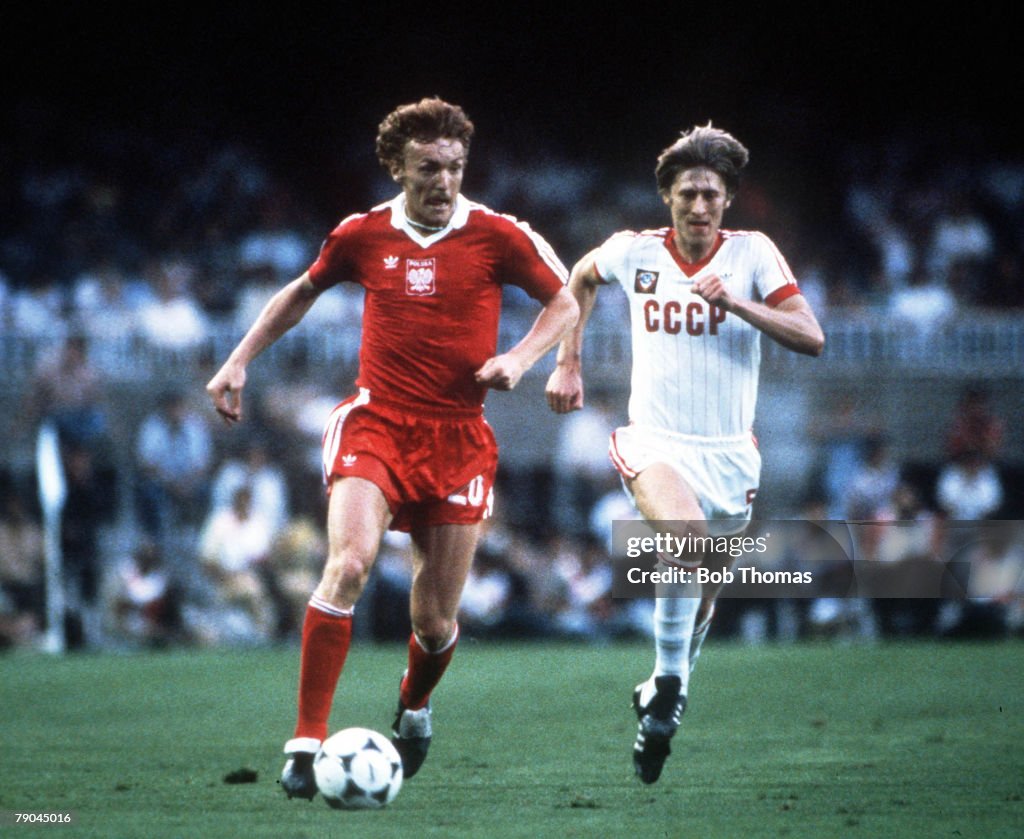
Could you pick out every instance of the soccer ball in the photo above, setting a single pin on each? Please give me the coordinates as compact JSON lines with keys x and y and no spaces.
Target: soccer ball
{"x":358,"y":769}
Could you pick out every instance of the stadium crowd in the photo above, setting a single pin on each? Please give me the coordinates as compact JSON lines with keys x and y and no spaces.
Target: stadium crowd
{"x":145,"y":243}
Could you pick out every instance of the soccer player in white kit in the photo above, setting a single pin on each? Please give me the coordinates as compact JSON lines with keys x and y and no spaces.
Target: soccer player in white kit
{"x":700,"y":297}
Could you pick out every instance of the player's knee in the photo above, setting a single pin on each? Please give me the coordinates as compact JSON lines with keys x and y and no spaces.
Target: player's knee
{"x":346,"y":573}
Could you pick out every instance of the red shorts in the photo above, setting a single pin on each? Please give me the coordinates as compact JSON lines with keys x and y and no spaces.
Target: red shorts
{"x":433,"y":468}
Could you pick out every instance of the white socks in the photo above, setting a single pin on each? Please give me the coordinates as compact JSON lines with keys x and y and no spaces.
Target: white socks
{"x":673,"y":631}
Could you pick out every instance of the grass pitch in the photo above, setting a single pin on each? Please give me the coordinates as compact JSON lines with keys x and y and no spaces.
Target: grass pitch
{"x":532,"y":740}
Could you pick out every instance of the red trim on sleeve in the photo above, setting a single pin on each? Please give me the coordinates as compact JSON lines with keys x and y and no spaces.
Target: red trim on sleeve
{"x":781,"y":293}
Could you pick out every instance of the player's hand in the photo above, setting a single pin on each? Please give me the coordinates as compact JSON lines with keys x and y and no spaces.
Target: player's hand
{"x":225,"y":389}
{"x":564,"y":390}
{"x":713,"y":290}
{"x":502,"y":372}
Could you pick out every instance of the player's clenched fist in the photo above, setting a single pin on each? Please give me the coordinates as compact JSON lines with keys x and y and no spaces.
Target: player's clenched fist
{"x":564,"y":390}
{"x":713,"y":290}
{"x":502,"y":372}
{"x":225,"y":389}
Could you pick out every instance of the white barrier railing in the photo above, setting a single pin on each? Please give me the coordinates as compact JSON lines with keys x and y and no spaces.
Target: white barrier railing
{"x":977,"y":344}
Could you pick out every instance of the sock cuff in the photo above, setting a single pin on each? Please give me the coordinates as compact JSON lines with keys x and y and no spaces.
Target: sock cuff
{"x":322,"y":605}
{"x":451,"y":642}
{"x":307,"y":745}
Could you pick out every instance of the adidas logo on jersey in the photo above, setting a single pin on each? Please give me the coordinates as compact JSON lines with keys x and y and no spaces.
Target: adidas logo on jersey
{"x":390,"y":262}
{"x":348,"y":460}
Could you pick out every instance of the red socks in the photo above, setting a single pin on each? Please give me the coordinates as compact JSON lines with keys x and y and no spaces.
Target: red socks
{"x":425,"y":671}
{"x":326,"y":636}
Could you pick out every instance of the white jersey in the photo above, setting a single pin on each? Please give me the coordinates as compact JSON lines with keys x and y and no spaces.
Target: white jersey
{"x":695,"y":366}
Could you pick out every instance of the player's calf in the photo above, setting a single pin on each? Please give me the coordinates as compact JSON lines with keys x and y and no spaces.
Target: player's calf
{"x":700,"y":633}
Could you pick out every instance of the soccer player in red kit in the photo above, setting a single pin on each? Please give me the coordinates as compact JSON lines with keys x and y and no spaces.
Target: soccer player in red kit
{"x":410,"y":450}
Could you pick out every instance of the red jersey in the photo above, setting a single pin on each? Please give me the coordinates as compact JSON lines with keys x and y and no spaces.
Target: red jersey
{"x":430,"y":317}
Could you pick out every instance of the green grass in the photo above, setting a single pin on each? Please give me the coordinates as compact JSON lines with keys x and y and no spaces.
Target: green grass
{"x":814,"y":740}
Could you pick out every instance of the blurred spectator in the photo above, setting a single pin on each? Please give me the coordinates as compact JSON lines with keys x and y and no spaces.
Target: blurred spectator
{"x":236,"y":539}
{"x":974,"y":428}
{"x":842,"y":435}
{"x":587,"y":609}
{"x":636,"y":616}
{"x":173,"y":454}
{"x":68,"y":389}
{"x":817,"y":543}
{"x":501,"y":598}
{"x":961,"y":236}
{"x":870,"y":492}
{"x":173,"y":320}
{"x":810,"y":544}
{"x":995,"y":590}
{"x":923,"y":303}
{"x":390,"y":582}
{"x":296,"y":560}
{"x":143,"y":602}
{"x":582,"y":468}
{"x":234,"y":547}
{"x":614,"y":505}
{"x":274,"y":247}
{"x":535,"y":563}
{"x":37,"y":310}
{"x":22,"y":593}
{"x":295,"y":406}
{"x":969,"y":488}
{"x":914,"y":532}
{"x":255,"y":470}
{"x":897,"y":254}
{"x":487,"y":595}
{"x":260,"y":285}
{"x":339,"y":309}
{"x":90,"y":504}
{"x":909,"y":542}
{"x":869,"y":499}
{"x":104,"y":304}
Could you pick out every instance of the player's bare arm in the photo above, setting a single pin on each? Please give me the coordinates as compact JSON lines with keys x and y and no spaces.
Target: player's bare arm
{"x":565,"y":384}
{"x":283,"y":311}
{"x":559,"y":315}
{"x":791,"y":323}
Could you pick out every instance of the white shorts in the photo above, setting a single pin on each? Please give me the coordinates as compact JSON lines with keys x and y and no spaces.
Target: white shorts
{"x":724,"y":472}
